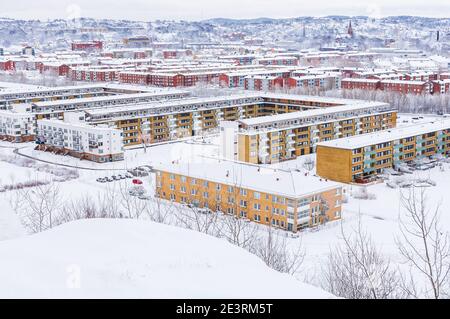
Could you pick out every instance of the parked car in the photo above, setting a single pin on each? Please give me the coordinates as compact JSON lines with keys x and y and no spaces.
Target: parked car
{"x":109,"y":179}
{"x":136,"y":191}
{"x":146,"y":168}
{"x":137,"y":181}
{"x":144,"y":197}
{"x":128,"y":175}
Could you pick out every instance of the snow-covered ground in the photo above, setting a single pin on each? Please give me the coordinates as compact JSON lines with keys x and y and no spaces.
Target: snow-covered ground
{"x":379,"y":216}
{"x":137,"y":259}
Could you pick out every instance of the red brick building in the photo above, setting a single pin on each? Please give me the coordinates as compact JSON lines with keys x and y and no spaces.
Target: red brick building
{"x":441,"y":87}
{"x":87,"y":46}
{"x":406,"y":87}
{"x":263,"y":83}
{"x":361,"y":84}
{"x":7,"y":65}
{"x":134,"y":77}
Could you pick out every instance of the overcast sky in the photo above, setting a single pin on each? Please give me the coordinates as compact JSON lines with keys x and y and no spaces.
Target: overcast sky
{"x":147,"y":10}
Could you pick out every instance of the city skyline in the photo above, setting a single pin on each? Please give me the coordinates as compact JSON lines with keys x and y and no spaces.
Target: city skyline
{"x":200,"y":9}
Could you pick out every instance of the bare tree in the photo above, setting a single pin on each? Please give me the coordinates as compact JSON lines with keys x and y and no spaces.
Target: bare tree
{"x":424,"y":245}
{"x":42,"y":204}
{"x":132,"y":206}
{"x":273,"y":249}
{"x":309,"y":164}
{"x":239,"y":231}
{"x":356,"y":269}
{"x":159,"y":211}
{"x":200,"y":219}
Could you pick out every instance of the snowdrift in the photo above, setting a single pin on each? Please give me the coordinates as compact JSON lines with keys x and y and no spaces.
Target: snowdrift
{"x":137,"y":259}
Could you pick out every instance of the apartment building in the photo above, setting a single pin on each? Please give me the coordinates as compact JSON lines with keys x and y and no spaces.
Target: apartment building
{"x":17,"y":126}
{"x":276,"y":138}
{"x":108,"y":101}
{"x":25,"y":96}
{"x":159,"y":122}
{"x":320,"y":81}
{"x":357,"y":158}
{"x":286,"y":200}
{"x":72,"y":137}
{"x":263,"y":83}
{"x":441,"y":86}
{"x":360,"y":83}
{"x":87,"y":46}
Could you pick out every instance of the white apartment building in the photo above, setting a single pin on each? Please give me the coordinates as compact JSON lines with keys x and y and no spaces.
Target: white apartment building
{"x":228,"y":139}
{"x":75,"y":138}
{"x":17,"y":126}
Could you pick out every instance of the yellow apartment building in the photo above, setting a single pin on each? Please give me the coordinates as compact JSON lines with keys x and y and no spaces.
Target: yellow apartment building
{"x":272,"y":139}
{"x":282,"y":199}
{"x":360,"y":157}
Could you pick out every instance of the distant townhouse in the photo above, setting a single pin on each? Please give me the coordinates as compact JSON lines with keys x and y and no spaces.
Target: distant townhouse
{"x":406,"y":87}
{"x":87,"y":46}
{"x":360,"y":84}
{"x":263,"y":83}
{"x":279,"y":60}
{"x":319,"y":81}
{"x":441,"y":87}
{"x":17,"y":126}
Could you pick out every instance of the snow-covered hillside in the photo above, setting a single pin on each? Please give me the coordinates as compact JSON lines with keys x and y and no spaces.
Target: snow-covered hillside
{"x":137,"y":259}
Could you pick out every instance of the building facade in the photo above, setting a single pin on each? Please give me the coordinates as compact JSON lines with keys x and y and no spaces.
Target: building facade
{"x":98,"y":144}
{"x":273,"y":139}
{"x":257,"y":196}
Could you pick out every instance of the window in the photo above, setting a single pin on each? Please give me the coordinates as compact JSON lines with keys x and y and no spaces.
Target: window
{"x":183,"y":189}
{"x":230,"y":189}
{"x":183,"y":179}
{"x":243,"y":203}
{"x":205,"y":195}
{"x":256,"y":195}
{"x":257,"y":206}
{"x":172,"y":177}
{"x":172,"y":187}
{"x":205,"y":183}
{"x":243,"y":192}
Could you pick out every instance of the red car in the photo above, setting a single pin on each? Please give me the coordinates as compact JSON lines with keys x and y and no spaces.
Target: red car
{"x":137,"y":181}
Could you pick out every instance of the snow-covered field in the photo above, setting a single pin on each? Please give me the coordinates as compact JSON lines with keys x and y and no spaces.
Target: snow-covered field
{"x":137,"y":259}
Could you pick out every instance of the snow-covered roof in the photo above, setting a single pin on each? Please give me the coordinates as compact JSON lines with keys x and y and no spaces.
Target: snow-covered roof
{"x":359,"y":141}
{"x":408,"y":82}
{"x":360,"y":80}
{"x":113,"y":98}
{"x":292,"y":116}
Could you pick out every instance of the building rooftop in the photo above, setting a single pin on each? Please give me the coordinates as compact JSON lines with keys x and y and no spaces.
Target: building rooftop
{"x":292,"y":116}
{"x":291,"y":184}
